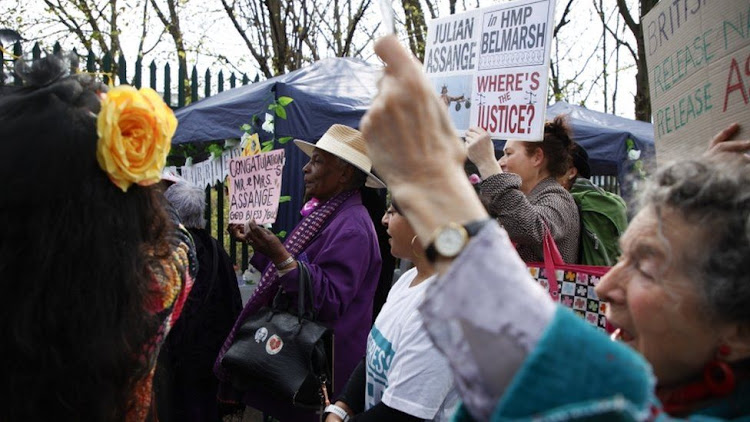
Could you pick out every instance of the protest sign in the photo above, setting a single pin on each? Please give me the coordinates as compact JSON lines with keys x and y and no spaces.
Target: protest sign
{"x":492,"y":63}
{"x":255,"y":187}
{"x":698,"y":59}
{"x":451,"y":57}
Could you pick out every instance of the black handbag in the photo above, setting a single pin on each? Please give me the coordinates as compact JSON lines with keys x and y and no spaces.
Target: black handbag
{"x":284,"y":351}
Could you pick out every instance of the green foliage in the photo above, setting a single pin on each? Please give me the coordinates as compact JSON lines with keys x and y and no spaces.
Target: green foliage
{"x":215,"y":150}
{"x":278,"y":109}
{"x":257,"y":125}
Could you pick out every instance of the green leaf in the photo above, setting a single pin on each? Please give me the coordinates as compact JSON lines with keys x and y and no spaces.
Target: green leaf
{"x":285,"y":101}
{"x":266,"y":148}
{"x":284,"y":198}
{"x":272,"y":106}
{"x":630,"y":144}
{"x":281,"y":112}
{"x":246,"y":127}
{"x":267,"y":143}
{"x":281,"y":234}
{"x":284,"y":139}
{"x":214,"y":149}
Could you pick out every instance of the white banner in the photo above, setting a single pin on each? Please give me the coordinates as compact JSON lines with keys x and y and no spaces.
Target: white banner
{"x":211,"y":171}
{"x":489,"y":66}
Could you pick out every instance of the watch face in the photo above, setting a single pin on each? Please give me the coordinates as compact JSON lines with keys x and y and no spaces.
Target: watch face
{"x":450,"y":241}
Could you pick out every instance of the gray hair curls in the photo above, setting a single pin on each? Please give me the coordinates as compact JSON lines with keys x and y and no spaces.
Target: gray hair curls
{"x":189,"y":202}
{"x":714,"y":194}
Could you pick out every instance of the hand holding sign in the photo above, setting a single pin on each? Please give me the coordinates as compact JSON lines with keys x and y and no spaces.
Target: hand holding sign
{"x":261,"y":239}
{"x":255,"y":187}
{"x":415,"y":148}
{"x":723,"y":142}
{"x":481,"y":151}
{"x":392,"y":118}
{"x":265,"y":241}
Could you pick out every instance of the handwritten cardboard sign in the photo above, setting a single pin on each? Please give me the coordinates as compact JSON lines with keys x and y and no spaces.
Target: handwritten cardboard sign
{"x":698,"y":59}
{"x":255,"y":187}
{"x":489,"y":66}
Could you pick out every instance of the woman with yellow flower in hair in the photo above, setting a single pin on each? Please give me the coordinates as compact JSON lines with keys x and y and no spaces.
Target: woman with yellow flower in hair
{"x":93,"y":270}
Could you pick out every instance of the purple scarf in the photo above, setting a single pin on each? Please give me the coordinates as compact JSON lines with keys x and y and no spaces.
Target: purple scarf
{"x":306,"y":230}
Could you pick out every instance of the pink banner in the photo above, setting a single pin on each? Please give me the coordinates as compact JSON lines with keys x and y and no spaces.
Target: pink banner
{"x":255,"y":187}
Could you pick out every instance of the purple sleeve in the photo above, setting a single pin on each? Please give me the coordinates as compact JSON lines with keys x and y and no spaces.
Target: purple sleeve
{"x":337,"y":272}
{"x":260,"y":262}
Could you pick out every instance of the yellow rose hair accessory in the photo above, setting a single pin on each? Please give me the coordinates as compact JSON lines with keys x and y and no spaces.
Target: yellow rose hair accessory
{"x":135,"y":129}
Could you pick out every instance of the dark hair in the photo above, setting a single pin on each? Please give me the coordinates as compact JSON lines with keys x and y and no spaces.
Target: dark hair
{"x":73,"y":257}
{"x":557,"y":146}
{"x":395,"y":206}
{"x":713,"y":195}
{"x":359,"y":178}
{"x":581,"y":161}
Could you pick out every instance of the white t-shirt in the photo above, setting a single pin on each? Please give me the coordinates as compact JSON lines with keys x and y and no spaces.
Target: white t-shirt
{"x":403,"y":368}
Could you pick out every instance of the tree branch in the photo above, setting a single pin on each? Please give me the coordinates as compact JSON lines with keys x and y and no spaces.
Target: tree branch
{"x":563,"y":20}
{"x":625,"y":13}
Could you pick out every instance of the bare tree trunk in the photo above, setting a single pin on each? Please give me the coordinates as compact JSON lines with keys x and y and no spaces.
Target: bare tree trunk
{"x":416,"y":28}
{"x":642,"y":96}
{"x":283,"y":35}
{"x":95,"y":29}
{"x":172,"y":24}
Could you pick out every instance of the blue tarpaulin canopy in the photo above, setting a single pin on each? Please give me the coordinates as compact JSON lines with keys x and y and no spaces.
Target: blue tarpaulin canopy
{"x":339,"y":90}
{"x":335,"y":90}
{"x":604,"y":137}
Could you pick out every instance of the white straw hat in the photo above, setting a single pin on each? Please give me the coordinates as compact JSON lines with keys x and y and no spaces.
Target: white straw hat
{"x":349,"y":145}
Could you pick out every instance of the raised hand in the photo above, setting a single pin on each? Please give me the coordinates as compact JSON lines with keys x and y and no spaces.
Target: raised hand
{"x":481,"y":151}
{"x":723,"y":142}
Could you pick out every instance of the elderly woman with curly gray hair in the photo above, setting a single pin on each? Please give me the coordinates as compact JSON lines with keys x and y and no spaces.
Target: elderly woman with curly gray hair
{"x":679,"y":296}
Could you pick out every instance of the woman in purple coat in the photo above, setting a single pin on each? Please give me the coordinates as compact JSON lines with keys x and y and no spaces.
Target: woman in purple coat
{"x":337,"y":242}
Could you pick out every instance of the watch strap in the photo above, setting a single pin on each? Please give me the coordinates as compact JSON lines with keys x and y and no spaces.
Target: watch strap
{"x":338,"y":411}
{"x":472,"y":228}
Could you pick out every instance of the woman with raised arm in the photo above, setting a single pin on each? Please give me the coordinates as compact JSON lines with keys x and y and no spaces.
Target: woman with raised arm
{"x":679,"y":296}
{"x":521,"y":191}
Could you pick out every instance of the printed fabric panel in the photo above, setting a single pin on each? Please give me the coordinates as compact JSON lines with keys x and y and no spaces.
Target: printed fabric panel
{"x":575,"y":290}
